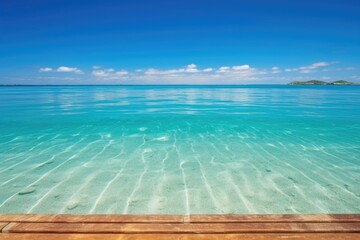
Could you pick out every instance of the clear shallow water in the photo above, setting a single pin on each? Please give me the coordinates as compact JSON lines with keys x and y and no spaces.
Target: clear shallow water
{"x":180,"y":150}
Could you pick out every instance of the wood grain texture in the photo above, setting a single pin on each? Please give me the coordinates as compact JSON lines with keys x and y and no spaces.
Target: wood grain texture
{"x":188,"y":227}
{"x":275,"y":218}
{"x":318,"y":236}
{"x":2,"y":225}
{"x":205,"y":228}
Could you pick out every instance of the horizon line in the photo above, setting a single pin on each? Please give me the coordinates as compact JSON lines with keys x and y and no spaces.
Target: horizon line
{"x":143,"y":84}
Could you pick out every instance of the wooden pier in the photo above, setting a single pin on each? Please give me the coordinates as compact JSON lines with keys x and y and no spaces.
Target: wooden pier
{"x":171,"y":227}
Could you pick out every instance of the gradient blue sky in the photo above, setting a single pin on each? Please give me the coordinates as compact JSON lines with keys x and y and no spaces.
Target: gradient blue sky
{"x":178,"y":42}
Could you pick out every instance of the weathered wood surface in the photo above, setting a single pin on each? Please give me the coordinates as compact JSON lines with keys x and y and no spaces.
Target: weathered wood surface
{"x":268,"y":236}
{"x":2,"y":225}
{"x":205,"y":228}
{"x":15,"y":226}
{"x":275,"y":218}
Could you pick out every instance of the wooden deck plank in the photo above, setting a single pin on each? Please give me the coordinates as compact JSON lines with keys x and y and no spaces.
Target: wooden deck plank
{"x":270,"y":236}
{"x":205,"y":228}
{"x":2,"y":225}
{"x":275,"y":218}
{"x":171,"y":227}
{"x":59,"y":218}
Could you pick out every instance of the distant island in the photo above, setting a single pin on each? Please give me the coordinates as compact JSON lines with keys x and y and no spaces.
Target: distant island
{"x":317,"y":82}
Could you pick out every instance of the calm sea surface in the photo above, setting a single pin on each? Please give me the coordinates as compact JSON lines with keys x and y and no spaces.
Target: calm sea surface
{"x":180,"y":149}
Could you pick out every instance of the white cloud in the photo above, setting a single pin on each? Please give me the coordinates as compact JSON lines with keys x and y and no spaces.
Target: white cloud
{"x":310,"y":68}
{"x":241,"y":68}
{"x":154,"y":71}
{"x":223,"y":69}
{"x":121,"y":73}
{"x":313,"y":67}
{"x":62,"y":69}
{"x":109,"y":74}
{"x":275,"y":70}
{"x":191,"y":68}
{"x":192,"y":74}
{"x":188,"y":74}
{"x":69,"y":70}
{"x":101,"y":73}
{"x":319,"y":64}
{"x":46,"y":69}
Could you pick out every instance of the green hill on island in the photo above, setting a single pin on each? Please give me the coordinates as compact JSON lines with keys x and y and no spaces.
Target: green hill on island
{"x":318,"y":82}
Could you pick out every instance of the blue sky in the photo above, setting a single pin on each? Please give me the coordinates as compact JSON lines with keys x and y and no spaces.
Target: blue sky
{"x":178,"y":42}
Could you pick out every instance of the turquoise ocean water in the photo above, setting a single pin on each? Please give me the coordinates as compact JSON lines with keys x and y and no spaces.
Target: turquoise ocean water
{"x":180,"y":149}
